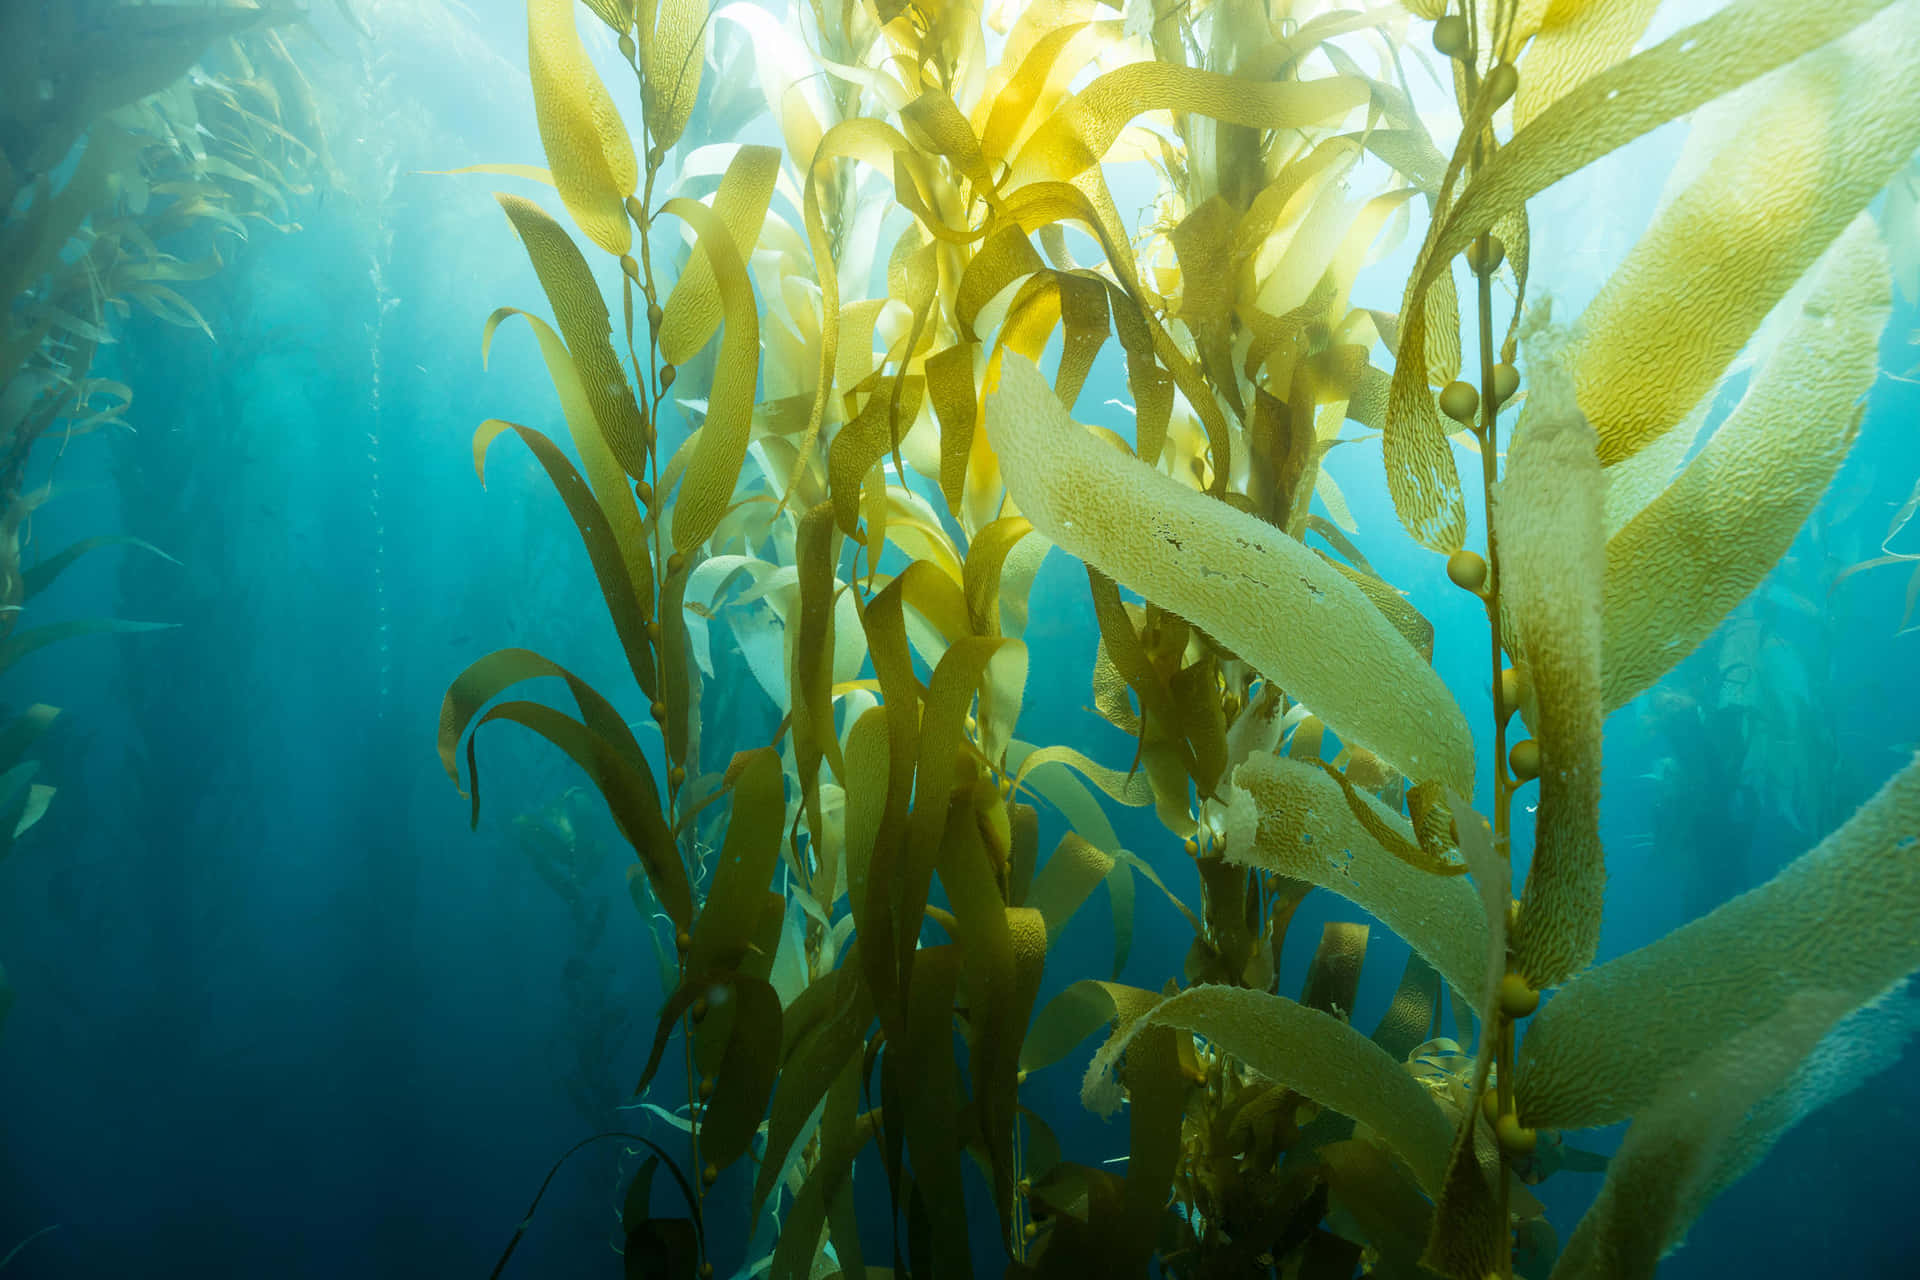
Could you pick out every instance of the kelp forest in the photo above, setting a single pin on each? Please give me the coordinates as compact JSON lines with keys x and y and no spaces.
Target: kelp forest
{"x":1091,"y":548}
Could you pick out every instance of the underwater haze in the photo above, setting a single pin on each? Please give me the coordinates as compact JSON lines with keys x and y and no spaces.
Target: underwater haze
{"x":1189,"y":638}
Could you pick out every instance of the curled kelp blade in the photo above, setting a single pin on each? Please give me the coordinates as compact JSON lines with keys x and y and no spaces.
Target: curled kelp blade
{"x":599,"y":742}
{"x":623,"y":568}
{"x":1263,"y":595}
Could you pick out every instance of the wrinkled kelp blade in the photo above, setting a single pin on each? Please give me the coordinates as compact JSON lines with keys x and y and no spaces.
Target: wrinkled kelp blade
{"x":1844,"y":917}
{"x":587,"y":146}
{"x":1695,"y":551}
{"x":1548,"y":515}
{"x":1262,"y":594}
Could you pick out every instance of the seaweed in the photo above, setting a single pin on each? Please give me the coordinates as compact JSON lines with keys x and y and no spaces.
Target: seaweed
{"x":134,"y":140}
{"x":881,"y":447}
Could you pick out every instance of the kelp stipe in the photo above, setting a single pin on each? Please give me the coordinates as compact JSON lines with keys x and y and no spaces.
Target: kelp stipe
{"x":864,"y":484}
{"x":659,"y":1246}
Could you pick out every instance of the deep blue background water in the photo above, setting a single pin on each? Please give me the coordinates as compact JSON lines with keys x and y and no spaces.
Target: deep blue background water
{"x":282,"y":1014}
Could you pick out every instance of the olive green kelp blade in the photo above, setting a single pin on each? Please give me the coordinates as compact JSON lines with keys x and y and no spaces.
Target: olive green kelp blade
{"x":1682,"y":1150}
{"x":1265,"y":596}
{"x":1843,"y":917}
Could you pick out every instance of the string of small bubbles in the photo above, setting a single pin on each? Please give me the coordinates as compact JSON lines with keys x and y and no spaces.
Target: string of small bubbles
{"x":386,"y":170}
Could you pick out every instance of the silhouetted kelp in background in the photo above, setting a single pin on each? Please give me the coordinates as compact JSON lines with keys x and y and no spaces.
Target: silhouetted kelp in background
{"x":129,"y":136}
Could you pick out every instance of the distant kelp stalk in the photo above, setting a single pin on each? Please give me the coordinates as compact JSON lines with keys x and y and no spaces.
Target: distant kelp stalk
{"x":822,"y":421}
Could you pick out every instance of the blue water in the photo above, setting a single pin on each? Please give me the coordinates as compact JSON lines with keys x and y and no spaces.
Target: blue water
{"x":281,"y":1014}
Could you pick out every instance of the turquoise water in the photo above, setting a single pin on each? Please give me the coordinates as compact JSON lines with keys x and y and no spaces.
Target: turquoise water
{"x":279,"y":1013}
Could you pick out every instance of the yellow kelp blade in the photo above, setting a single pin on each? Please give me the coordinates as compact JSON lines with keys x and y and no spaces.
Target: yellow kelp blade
{"x":1075,"y":137}
{"x":531,"y":172}
{"x":624,"y":572}
{"x":673,"y":54}
{"x":1801,"y":153}
{"x":1265,"y":596}
{"x":586,"y":142}
{"x":1843,"y":918}
{"x":617,"y":14}
{"x":1695,"y":551}
{"x":1075,"y":868}
{"x":1575,"y":42}
{"x":986,"y":557}
{"x":810,"y":661}
{"x":1085,"y":1007}
{"x":693,"y":309}
{"x":1740,"y":43}
{"x":581,"y":314}
{"x":721,"y":443}
{"x":1289,"y":817}
{"x":599,"y":742}
{"x":967,"y":668}
{"x":1548,"y":518}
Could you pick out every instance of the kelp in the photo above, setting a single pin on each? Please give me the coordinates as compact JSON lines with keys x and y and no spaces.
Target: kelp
{"x":1755,"y":481}
{"x":1229,"y":574}
{"x":1547,"y":515}
{"x":133,"y":139}
{"x":861,"y":478}
{"x":1861,"y":878}
{"x":1746,"y":40}
{"x":588,"y":151}
{"x":1677,"y":1151}
{"x":1290,"y":817}
{"x":1836,"y":125}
